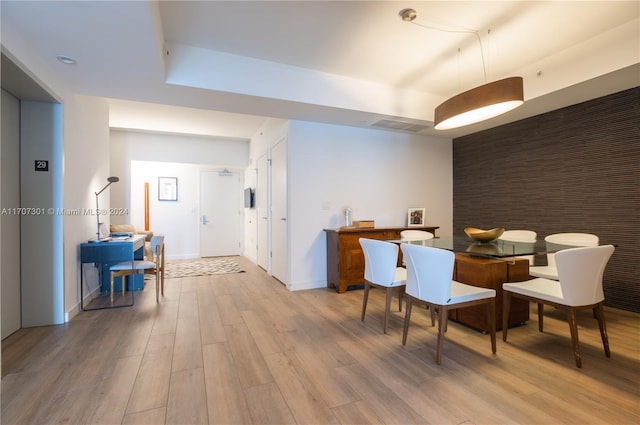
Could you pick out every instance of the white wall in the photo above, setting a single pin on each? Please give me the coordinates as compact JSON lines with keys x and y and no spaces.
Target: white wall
{"x":86,"y":168}
{"x":177,"y":221}
{"x":250,"y":216}
{"x":378,"y":174}
{"x":138,"y":157}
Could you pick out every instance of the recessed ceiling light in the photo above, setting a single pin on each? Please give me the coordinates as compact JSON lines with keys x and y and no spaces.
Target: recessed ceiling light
{"x":66,"y":59}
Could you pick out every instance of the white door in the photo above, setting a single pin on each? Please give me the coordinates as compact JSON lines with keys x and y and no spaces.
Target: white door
{"x":262,"y":212}
{"x":279,"y":223}
{"x":221,"y":212}
{"x":10,"y":225}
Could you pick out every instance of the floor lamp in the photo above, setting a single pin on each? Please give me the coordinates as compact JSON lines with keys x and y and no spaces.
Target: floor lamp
{"x":110,"y":180}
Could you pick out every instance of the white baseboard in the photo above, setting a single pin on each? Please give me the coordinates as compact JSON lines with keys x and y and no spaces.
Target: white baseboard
{"x":75,"y":310}
{"x":301,"y":286}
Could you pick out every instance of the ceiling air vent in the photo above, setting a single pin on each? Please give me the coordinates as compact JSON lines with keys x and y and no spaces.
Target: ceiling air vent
{"x":399,"y":126}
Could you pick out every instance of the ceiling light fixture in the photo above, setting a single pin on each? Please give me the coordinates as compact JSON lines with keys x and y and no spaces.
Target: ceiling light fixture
{"x":478,"y":104}
{"x":66,"y":59}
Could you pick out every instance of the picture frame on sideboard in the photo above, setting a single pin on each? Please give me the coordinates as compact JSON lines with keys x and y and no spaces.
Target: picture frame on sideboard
{"x":415,"y":217}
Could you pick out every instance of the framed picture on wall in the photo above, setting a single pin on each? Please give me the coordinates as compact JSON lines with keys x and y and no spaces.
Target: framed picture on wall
{"x":167,"y":188}
{"x":415,"y":217}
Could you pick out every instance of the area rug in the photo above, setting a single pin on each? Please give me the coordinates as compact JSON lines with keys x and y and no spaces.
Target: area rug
{"x":201,"y":267}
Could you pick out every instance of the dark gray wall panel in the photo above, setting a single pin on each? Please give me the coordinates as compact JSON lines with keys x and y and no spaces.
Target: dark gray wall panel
{"x":576,"y":169}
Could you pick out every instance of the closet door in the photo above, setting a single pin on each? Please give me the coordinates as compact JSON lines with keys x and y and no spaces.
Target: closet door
{"x":262,"y":213}
{"x":279,"y":224}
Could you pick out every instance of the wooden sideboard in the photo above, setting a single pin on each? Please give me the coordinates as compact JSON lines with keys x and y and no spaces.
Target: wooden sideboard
{"x":490,"y":273}
{"x":345,"y":260}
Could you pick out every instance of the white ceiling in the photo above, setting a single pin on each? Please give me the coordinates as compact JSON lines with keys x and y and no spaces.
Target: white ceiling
{"x":220,"y":68}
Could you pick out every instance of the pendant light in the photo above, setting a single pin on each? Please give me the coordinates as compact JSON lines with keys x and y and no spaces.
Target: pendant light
{"x":478,"y":104}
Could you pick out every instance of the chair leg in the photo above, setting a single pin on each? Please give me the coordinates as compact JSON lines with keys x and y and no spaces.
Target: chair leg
{"x":111,"y":288}
{"x":433,"y":314}
{"x":540,"y":316}
{"x":400,"y":297}
{"x":407,"y":318}
{"x":387,"y":308}
{"x":573,"y":327}
{"x":162,"y":271}
{"x":506,"y":307}
{"x":157,"y":286}
{"x":492,"y":323}
{"x":598,"y":312}
{"x":365,"y":297}
{"x":443,"y":315}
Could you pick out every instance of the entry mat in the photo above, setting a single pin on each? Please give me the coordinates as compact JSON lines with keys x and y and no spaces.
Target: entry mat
{"x":201,"y":267}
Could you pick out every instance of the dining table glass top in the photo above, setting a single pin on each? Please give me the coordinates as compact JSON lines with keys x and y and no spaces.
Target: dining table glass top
{"x":495,"y":249}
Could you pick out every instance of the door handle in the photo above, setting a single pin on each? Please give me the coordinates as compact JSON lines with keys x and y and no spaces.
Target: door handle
{"x":204,"y":219}
{"x":283,"y":219}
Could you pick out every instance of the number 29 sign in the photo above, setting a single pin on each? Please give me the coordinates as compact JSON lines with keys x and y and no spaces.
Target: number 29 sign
{"x":42,"y":165}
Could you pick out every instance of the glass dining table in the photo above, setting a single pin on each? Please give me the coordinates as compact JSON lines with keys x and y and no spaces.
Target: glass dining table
{"x":487,"y":265}
{"x":495,"y":249}
{"x":536,"y":251}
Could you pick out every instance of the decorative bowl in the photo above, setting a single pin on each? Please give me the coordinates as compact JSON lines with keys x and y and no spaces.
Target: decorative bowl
{"x":483,"y":235}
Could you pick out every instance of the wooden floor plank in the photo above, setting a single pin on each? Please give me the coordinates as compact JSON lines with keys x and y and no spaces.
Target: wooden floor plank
{"x":187,"y":403}
{"x":267,"y":406}
{"x":211,"y":327}
{"x":356,"y":413}
{"x":300,"y":393}
{"x":151,"y":386}
{"x":250,"y":363}
{"x":115,"y":392}
{"x":226,"y":403}
{"x":148,"y":417}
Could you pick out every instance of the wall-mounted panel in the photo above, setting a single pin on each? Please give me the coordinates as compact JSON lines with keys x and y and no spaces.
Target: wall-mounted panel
{"x":576,"y":169}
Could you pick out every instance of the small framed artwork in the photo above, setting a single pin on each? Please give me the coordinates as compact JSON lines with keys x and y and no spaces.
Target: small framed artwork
{"x":415,"y":217}
{"x":167,"y":188}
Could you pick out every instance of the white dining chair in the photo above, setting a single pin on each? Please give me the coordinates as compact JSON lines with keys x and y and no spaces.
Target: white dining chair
{"x":521,"y":237}
{"x":557,"y":242}
{"x":429,"y":280}
{"x":127,"y":268}
{"x":380,"y":270}
{"x":415,"y":235}
{"x":580,"y":272}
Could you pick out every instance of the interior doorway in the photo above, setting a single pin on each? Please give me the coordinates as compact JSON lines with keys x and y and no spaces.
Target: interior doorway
{"x":10,"y":225}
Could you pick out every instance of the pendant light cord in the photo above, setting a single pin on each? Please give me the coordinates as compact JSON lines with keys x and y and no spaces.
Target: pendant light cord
{"x":461,"y":31}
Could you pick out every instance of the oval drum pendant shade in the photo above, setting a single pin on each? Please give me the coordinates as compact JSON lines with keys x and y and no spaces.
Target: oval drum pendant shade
{"x":480,"y":103}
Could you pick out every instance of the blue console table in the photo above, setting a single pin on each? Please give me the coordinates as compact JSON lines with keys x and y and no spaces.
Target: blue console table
{"x":106,"y":254}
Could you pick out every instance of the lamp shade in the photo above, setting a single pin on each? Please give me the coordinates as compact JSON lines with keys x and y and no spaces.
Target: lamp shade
{"x":480,"y":103}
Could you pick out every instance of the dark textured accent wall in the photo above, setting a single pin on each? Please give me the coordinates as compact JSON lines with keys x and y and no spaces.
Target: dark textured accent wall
{"x":576,"y":169}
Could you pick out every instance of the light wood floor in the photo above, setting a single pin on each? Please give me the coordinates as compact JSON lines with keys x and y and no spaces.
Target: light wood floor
{"x":241,"y":349}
